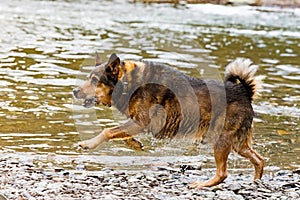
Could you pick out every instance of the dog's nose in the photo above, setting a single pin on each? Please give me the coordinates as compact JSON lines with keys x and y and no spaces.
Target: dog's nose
{"x":76,"y":91}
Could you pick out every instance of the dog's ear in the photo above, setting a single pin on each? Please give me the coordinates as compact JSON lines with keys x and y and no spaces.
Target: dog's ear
{"x":99,"y":60}
{"x":113,"y":64}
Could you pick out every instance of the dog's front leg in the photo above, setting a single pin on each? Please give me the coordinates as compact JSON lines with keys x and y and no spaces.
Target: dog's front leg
{"x":94,"y":142}
{"x":123,"y":132}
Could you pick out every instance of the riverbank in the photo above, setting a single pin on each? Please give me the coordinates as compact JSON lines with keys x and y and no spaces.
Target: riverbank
{"x":26,"y":180}
{"x":280,"y":3}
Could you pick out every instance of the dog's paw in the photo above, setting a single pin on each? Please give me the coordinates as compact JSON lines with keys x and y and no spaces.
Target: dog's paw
{"x":86,"y":145}
{"x":83,"y":145}
{"x":196,"y":184}
{"x":80,"y":146}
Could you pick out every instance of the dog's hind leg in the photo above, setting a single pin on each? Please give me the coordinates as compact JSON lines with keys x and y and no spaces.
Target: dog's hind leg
{"x":222,"y":149}
{"x":122,"y":132}
{"x":256,"y":159}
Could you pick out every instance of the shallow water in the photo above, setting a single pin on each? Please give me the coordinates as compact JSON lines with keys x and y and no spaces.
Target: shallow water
{"x":47,"y":47}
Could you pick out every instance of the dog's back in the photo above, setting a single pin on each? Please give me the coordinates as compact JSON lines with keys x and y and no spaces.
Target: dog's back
{"x":168,"y":102}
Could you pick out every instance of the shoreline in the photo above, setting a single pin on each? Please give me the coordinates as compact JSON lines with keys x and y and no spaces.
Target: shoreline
{"x":269,"y":3}
{"x":24,"y":180}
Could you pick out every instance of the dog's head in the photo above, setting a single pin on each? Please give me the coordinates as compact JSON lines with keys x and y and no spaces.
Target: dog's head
{"x":101,"y":82}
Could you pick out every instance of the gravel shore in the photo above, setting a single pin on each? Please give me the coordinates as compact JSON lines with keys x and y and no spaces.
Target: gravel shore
{"x":24,"y":180}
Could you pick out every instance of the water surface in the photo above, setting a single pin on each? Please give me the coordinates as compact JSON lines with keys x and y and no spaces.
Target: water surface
{"x":47,"y":47}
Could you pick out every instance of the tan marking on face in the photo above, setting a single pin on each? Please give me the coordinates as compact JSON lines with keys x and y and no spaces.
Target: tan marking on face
{"x":102,"y":94}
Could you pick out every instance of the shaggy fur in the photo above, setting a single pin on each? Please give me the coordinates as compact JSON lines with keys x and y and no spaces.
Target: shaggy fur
{"x":167,"y":103}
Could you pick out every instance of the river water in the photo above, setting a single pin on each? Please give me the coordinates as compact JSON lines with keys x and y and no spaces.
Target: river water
{"x":47,"y":48}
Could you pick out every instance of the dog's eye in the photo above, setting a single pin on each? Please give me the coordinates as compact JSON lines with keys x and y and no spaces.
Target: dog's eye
{"x":94,"y":80}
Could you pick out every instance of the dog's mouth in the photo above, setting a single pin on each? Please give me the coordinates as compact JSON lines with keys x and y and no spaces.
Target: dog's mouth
{"x":90,"y":102}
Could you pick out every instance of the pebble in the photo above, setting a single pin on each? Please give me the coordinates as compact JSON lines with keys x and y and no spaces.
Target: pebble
{"x":21,"y":180}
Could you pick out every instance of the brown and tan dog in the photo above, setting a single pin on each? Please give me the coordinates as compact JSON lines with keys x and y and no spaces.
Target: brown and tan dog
{"x":167,"y":103}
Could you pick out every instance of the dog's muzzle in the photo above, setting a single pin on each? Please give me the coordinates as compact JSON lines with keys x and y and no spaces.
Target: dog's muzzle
{"x":88,"y":101}
{"x":77,"y":93}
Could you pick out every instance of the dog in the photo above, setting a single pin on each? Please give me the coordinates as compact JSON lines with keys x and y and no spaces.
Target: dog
{"x":163,"y":101}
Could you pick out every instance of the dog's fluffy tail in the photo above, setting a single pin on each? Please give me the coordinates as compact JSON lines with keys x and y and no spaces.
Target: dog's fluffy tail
{"x":242,"y":71}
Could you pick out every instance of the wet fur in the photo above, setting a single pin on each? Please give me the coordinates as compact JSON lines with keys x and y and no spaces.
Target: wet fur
{"x":164,"y":101}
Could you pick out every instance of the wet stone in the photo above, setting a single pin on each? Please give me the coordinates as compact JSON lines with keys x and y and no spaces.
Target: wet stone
{"x":294,"y":195}
{"x":118,"y":193}
{"x":123,"y":185}
{"x":224,"y":195}
{"x":235,"y":187}
{"x":133,"y":180}
{"x":140,"y":176}
{"x":110,"y":188}
{"x":170,"y":169}
{"x":114,"y":184}
{"x":58,"y":169}
{"x":216,"y":188}
{"x":264,"y":190}
{"x":296,"y":171}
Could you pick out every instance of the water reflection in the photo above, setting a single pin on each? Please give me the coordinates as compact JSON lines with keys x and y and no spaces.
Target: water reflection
{"x":46,"y":50}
